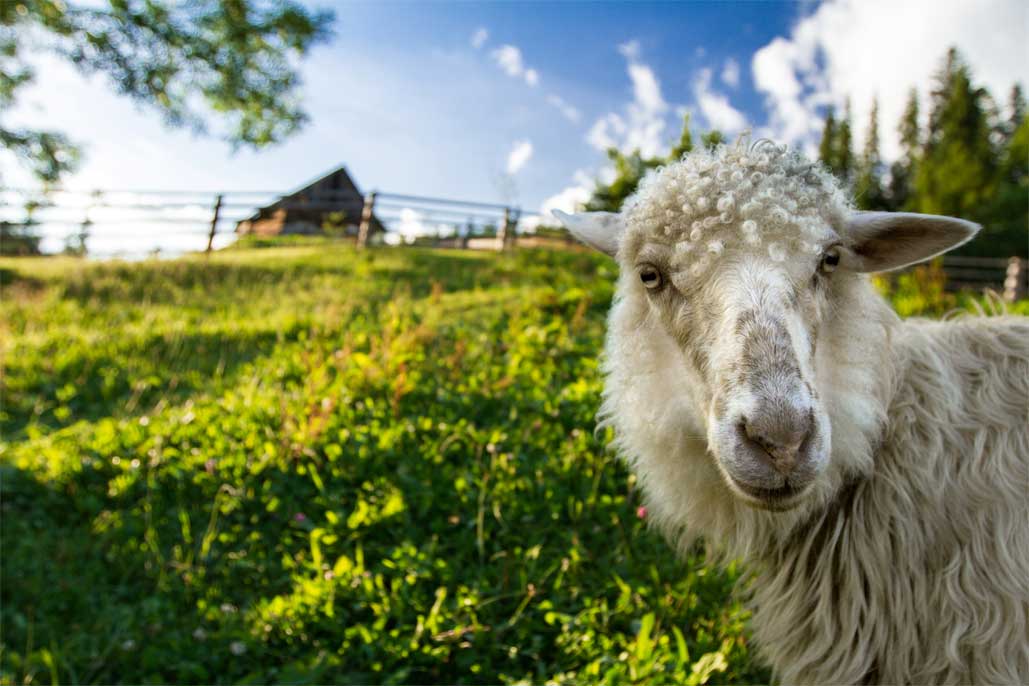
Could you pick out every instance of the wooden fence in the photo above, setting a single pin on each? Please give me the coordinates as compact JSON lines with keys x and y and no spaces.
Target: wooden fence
{"x":132,"y":223}
{"x":136,"y":223}
{"x":1008,"y":276}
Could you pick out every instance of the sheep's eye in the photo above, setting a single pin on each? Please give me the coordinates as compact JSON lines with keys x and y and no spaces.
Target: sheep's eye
{"x":830,"y":260}
{"x":650,"y":276}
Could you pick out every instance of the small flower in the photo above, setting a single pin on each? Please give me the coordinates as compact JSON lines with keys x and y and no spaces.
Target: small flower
{"x":299,"y":517}
{"x":199,"y":634}
{"x":641,"y":512}
{"x":237,"y":647}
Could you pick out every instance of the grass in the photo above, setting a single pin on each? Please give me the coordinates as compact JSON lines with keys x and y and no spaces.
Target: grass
{"x":307,"y":464}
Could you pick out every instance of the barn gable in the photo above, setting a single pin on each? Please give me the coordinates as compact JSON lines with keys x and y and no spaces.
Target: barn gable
{"x":330,"y":201}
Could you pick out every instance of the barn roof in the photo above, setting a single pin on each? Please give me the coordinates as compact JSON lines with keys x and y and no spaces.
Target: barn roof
{"x":332,"y":192}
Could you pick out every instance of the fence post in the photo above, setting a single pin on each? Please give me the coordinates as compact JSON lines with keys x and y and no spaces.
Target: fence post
{"x":214,"y":224}
{"x":366,"y":220}
{"x":506,"y":232}
{"x":511,"y":230}
{"x":1013,"y":280}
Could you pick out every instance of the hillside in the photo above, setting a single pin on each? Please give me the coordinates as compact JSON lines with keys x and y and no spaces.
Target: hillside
{"x":305,"y":464}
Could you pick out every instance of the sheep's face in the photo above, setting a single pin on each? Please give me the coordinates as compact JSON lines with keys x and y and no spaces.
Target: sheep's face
{"x":739,"y":261}
{"x":748,"y":332}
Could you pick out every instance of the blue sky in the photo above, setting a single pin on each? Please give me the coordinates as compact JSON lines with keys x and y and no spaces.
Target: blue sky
{"x":515,"y":102}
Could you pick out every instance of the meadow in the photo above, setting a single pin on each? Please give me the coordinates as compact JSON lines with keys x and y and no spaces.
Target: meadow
{"x":307,"y":464}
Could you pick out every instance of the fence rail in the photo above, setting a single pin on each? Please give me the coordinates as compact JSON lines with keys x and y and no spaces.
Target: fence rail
{"x":133,"y":223}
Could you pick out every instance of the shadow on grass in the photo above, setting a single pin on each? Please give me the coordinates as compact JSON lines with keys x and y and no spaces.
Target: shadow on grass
{"x":14,"y":282}
{"x":425,"y":270}
{"x":114,"y":378}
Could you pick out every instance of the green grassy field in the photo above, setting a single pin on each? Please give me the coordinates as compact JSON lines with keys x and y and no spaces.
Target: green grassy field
{"x":310,"y":465}
{"x":307,"y":464}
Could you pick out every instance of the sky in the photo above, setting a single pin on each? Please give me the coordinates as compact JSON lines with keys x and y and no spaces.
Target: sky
{"x":517,"y":102}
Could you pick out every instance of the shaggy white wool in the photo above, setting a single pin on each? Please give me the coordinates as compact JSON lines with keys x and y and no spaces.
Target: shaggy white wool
{"x":909,"y":561}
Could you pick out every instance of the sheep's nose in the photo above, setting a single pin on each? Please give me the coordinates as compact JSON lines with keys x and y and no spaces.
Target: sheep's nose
{"x":778,"y":438}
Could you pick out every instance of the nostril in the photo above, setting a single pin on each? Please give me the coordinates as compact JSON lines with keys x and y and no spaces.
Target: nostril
{"x":778,"y":442}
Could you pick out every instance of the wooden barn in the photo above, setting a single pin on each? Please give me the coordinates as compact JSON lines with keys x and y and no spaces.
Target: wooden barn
{"x":331,"y":204}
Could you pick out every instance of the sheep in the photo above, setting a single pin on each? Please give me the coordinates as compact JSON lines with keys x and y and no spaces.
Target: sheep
{"x":872,"y":473}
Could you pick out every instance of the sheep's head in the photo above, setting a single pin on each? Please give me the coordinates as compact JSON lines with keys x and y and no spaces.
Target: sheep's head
{"x":740,"y":260}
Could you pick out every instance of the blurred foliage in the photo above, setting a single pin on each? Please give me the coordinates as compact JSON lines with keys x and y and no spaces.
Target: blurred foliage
{"x":970,"y":161}
{"x":233,"y":61}
{"x":335,"y":224}
{"x":921,"y":292}
{"x":19,"y":239}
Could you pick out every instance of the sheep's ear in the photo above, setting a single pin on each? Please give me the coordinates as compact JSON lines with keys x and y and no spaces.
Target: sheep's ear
{"x":599,"y":230}
{"x":882,"y":241}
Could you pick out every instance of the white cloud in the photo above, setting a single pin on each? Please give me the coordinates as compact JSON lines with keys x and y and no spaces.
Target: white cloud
{"x":569,"y":112}
{"x":521,"y":153}
{"x":642,"y":124}
{"x":715,"y":107}
{"x":845,"y":48}
{"x":630,"y":50}
{"x":480,"y":37}
{"x":731,"y":73}
{"x":606,"y":132}
{"x":509,"y":59}
{"x":413,"y":224}
{"x":646,"y":88}
{"x":570,"y":199}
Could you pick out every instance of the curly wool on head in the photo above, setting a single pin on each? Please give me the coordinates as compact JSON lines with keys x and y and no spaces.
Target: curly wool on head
{"x":742,"y":196}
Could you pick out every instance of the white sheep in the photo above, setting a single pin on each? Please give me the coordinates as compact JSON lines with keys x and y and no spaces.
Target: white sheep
{"x":872,"y":472}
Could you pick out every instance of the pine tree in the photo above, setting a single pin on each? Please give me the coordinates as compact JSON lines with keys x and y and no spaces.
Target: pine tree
{"x":1016,"y":106}
{"x":958,"y":166}
{"x":835,"y":150}
{"x":826,"y":148}
{"x":868,"y":189}
{"x":712,"y":139}
{"x":900,"y":191}
{"x":844,"y":148}
{"x":970,"y":161}
{"x":685,"y":143}
{"x":1007,"y":216}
